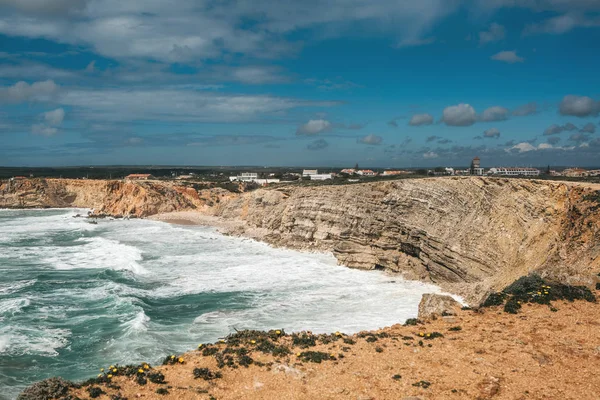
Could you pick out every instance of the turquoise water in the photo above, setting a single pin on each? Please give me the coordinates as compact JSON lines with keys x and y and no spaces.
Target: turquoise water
{"x":76,"y":296}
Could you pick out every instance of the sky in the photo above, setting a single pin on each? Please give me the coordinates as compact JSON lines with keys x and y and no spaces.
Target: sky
{"x":388,"y":84}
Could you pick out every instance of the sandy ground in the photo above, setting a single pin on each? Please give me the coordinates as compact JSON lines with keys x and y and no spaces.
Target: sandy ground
{"x":537,"y":354}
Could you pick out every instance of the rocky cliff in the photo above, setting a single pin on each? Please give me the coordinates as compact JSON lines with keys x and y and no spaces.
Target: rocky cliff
{"x":466,"y":234}
{"x":115,"y":198}
{"x":450,"y":231}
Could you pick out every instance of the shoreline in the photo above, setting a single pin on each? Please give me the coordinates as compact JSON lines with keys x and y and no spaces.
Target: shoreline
{"x":462,"y":290}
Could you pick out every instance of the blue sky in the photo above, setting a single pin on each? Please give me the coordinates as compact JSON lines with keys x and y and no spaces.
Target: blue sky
{"x":231,"y":82}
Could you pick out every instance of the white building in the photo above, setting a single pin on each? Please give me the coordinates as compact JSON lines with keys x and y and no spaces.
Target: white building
{"x":514,"y":171}
{"x":310,"y":172}
{"x":366,"y":172}
{"x":321,"y":177}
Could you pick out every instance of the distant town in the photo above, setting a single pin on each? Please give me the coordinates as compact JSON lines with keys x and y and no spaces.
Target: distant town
{"x":272,"y":175}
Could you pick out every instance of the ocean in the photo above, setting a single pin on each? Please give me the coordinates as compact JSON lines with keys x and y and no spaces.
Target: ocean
{"x":76,"y":296}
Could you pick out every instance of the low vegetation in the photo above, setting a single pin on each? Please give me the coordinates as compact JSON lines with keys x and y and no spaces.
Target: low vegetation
{"x":534,"y":289}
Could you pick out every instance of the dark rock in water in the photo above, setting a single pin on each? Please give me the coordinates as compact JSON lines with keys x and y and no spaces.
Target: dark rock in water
{"x":47,"y":389}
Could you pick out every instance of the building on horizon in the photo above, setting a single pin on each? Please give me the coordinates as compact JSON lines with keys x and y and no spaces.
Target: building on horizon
{"x":366,"y":172}
{"x":309,"y":172}
{"x":139,"y":177}
{"x":476,"y":167}
{"x":514,"y":171}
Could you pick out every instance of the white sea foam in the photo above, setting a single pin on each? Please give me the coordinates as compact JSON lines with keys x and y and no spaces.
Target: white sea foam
{"x":32,"y":340}
{"x":136,"y":325}
{"x":13,"y":287}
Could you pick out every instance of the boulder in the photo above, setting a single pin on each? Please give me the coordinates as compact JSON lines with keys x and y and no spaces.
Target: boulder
{"x":433,"y":305}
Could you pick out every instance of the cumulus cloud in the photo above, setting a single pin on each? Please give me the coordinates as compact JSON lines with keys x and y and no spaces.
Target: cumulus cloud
{"x":370,"y":140}
{"x":421,"y":119}
{"x":553,"y":140}
{"x":54,"y":118}
{"x":509,"y":57}
{"x":525,"y":109}
{"x":491,"y":133}
{"x":523,"y":147}
{"x":314,"y":127}
{"x":22,"y":91}
{"x":555,"y":129}
{"x":579,"y":137}
{"x":459,"y":115}
{"x":430,"y":155}
{"x":588,"y":128}
{"x":317,"y":145}
{"x":495,"y":33}
{"x":579,"y":106}
{"x":495,"y":113}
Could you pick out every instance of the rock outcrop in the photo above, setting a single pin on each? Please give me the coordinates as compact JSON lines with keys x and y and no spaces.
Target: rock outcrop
{"x":467,"y":234}
{"x":436,"y":305}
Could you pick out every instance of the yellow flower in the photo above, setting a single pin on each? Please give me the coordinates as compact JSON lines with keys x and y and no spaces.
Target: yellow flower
{"x":200,"y":345}
{"x":180,"y":360}
{"x":101,"y":369}
{"x":332,"y":355}
{"x":539,"y":292}
{"x":141,"y":371}
{"x":429,"y":334}
{"x":99,"y":375}
{"x":338,"y":334}
{"x":253,"y":341}
{"x":114,"y":370}
{"x":172,"y":357}
{"x":109,"y":376}
{"x":421,"y":334}
{"x":298,"y":354}
{"x":146,"y":366}
{"x":221,"y":341}
{"x":278,"y":332}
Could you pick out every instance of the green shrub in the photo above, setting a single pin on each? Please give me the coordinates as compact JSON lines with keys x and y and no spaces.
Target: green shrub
{"x":206,"y":374}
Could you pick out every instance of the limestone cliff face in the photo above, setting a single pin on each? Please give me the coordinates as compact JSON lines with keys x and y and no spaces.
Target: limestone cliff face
{"x":467,"y":234}
{"x":115,"y":198}
{"x":446,"y":230}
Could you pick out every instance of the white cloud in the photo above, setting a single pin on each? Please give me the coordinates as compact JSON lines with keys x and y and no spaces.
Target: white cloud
{"x":176,"y":103}
{"x":579,"y":106}
{"x":370,"y":140}
{"x":430,"y":155}
{"x":54,"y":118}
{"x":197,"y":30}
{"x":562,"y":24}
{"x":459,"y":115}
{"x":523,"y":147}
{"x":91,"y":67}
{"x":510,"y":57}
{"x":495,"y":33}
{"x":543,"y":146}
{"x":495,"y":113}
{"x":421,"y":119}
{"x":43,"y":130}
{"x":23,"y":91}
{"x":314,"y":127}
